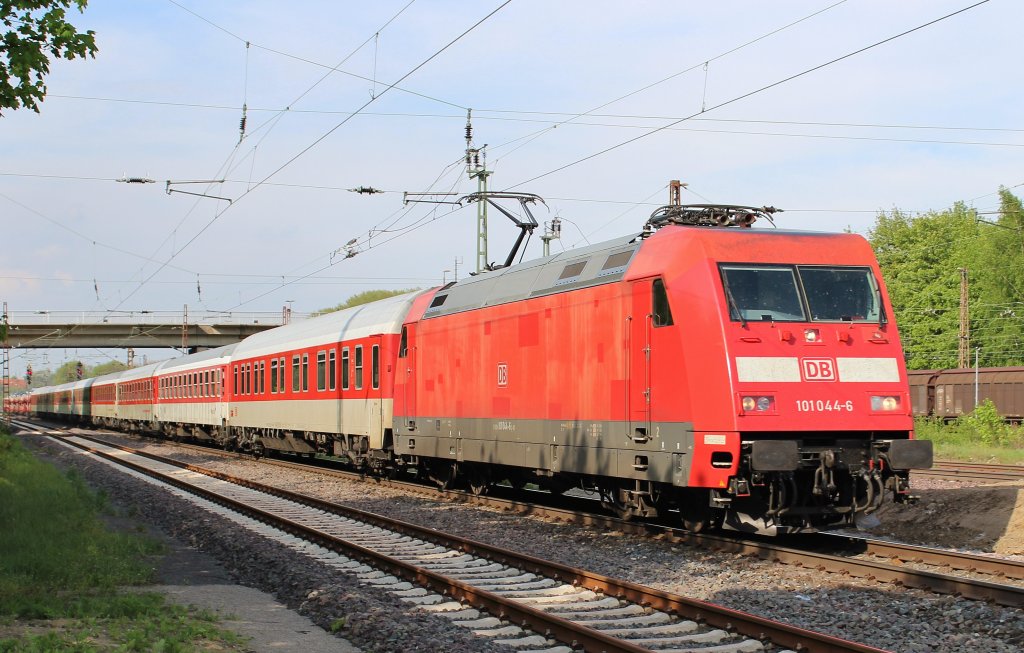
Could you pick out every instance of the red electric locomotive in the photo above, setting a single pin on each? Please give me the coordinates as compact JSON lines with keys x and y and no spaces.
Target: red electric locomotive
{"x":746,"y":378}
{"x":724,"y":376}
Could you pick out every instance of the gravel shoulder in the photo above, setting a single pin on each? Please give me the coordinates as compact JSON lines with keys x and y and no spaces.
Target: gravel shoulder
{"x":979,"y":516}
{"x":883,"y":616}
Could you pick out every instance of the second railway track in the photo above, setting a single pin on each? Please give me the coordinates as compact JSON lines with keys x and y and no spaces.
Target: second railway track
{"x":580,"y":609}
{"x":969,"y":575}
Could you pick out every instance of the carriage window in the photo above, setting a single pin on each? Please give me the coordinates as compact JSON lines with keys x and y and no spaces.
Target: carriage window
{"x":762,"y":293}
{"x":660,"y":308}
{"x":359,"y":367}
{"x":321,"y":371}
{"x":305,"y":372}
{"x":344,"y":368}
{"x":273,"y":376}
{"x":332,"y":368}
{"x":281,"y":372}
{"x":375,"y":366}
{"x":403,"y":346}
{"x":295,"y":373}
{"x":841,"y":294}
{"x":263,"y":377}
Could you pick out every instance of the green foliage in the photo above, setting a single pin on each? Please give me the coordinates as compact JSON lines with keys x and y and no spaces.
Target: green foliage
{"x":60,"y":562}
{"x":105,"y":368}
{"x":64,"y":374}
{"x":966,"y":439}
{"x":987,"y":424}
{"x":921,"y":258}
{"x":54,"y":543}
{"x":364,"y":298}
{"x":36,"y":31}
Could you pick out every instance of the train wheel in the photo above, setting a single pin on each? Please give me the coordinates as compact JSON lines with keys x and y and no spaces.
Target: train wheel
{"x":694,"y":511}
{"x":442,"y":473}
{"x":479,"y":482}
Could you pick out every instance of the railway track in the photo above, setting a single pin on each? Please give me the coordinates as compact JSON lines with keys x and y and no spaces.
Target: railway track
{"x":461,"y":579}
{"x":941,"y":571}
{"x":974,"y":471}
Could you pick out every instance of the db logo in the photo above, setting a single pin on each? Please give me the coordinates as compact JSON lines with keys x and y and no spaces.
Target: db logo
{"x":502,"y":375}
{"x":818,"y":369}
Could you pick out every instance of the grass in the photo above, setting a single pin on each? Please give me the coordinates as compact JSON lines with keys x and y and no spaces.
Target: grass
{"x":63,"y":573}
{"x":980,"y":436}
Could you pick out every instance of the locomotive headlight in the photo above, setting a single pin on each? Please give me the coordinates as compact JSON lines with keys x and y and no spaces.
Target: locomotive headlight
{"x":885,"y":403}
{"x":757,"y":404}
{"x":811,"y":335}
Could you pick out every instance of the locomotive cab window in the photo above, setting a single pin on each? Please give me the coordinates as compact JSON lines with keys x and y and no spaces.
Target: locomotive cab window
{"x":837,"y":294}
{"x":766,"y":293}
{"x":403,"y":345}
{"x":659,"y":304}
{"x":785,"y":293}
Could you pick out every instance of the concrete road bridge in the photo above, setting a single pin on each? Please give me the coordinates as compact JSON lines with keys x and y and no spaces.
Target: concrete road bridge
{"x":136,"y":329}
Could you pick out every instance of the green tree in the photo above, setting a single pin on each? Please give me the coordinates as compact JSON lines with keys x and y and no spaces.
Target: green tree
{"x":67,"y":372}
{"x":364,"y":298}
{"x":35,"y":31}
{"x":106,"y":368}
{"x":921,"y":259}
{"x":997,"y":317}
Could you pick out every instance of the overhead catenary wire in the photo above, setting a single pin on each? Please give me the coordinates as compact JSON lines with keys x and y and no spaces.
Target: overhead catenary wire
{"x":315,"y":143}
{"x":704,"y":63}
{"x":749,"y":94}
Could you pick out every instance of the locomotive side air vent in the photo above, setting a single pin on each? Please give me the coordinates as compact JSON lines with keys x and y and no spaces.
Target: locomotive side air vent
{"x":571,"y":273}
{"x":616,"y":263}
{"x":436,"y":303}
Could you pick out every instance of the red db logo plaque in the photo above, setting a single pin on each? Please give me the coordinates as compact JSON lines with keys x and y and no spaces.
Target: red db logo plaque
{"x":818,"y":369}
{"x":502,"y":375}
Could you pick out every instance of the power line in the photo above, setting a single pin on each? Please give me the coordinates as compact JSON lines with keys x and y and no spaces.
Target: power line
{"x":748,"y":94}
{"x":317,"y":141}
{"x":704,"y":64}
{"x":317,"y":63}
{"x":83,"y":236}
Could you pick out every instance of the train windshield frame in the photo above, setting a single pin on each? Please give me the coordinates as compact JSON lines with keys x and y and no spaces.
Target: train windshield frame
{"x":801,"y":293}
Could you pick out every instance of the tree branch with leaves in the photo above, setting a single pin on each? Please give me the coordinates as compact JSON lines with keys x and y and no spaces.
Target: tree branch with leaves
{"x":35,"y":31}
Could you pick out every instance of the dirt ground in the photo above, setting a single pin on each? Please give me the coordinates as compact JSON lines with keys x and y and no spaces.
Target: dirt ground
{"x":977,"y":516}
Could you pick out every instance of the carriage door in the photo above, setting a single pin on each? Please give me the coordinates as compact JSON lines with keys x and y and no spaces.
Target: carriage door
{"x":638,"y":362}
{"x":374,"y":395}
{"x":405,"y":381}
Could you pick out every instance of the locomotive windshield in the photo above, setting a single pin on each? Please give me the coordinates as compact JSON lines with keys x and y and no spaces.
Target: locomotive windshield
{"x":783,"y":293}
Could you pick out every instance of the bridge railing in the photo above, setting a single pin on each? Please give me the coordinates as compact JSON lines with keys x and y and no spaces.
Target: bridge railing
{"x":150,"y":317}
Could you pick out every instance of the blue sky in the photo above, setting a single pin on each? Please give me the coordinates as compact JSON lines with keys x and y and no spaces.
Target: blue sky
{"x":165,"y":91}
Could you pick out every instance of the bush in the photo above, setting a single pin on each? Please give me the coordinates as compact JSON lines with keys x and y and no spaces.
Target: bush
{"x":988,"y":425}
